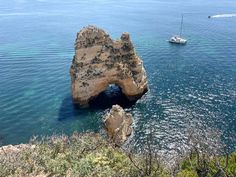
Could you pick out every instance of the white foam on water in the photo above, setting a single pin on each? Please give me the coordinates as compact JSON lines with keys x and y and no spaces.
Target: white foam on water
{"x":223,"y":16}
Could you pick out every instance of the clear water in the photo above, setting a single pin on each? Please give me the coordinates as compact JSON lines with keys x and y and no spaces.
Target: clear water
{"x":188,"y":85}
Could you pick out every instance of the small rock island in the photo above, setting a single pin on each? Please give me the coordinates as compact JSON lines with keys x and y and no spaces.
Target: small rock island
{"x":100,"y":61}
{"x":118,"y":125}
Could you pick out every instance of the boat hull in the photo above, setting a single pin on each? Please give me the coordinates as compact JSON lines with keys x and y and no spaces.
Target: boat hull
{"x":176,"y":42}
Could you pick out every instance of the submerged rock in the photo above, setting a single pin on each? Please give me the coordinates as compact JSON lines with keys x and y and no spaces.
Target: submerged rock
{"x":100,"y":61}
{"x":118,"y":125}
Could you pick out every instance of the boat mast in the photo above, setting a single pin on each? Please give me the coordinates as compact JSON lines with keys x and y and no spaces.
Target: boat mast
{"x":181,"y":27}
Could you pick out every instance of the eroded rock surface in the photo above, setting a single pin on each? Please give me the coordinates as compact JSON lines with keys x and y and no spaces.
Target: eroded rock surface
{"x":100,"y":61}
{"x":9,"y":149}
{"x":118,"y":125}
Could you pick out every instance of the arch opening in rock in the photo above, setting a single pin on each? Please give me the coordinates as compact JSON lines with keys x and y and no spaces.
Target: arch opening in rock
{"x":111,"y":96}
{"x":99,"y":61}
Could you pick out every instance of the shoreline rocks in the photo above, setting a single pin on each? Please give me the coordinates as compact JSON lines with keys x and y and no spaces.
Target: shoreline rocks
{"x":100,"y":61}
{"x":118,"y":125}
{"x":7,"y":149}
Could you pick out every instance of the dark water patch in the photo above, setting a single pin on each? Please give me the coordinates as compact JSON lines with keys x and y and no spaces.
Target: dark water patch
{"x":68,"y":110}
{"x":1,"y":140}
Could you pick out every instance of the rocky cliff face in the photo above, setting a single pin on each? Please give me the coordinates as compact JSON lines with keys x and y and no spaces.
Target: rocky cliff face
{"x":118,"y":125}
{"x":99,"y":61}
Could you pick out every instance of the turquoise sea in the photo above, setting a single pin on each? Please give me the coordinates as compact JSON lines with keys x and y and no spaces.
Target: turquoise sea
{"x":190,"y":87}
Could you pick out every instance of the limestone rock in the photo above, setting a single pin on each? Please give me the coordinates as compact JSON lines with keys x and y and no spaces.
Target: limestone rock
{"x":100,"y":61}
{"x":118,"y":125}
{"x":8,"y":149}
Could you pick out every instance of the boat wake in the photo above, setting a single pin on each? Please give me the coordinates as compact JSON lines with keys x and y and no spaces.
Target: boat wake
{"x":223,"y":16}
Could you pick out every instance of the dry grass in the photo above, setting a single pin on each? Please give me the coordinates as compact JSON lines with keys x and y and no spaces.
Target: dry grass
{"x":90,"y":155}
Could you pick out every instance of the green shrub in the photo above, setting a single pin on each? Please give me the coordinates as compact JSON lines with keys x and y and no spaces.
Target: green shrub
{"x":79,"y":155}
{"x":187,"y":173}
{"x":89,"y":154}
{"x":209,"y":166}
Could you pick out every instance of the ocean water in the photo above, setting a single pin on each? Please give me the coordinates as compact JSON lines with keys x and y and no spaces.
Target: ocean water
{"x":190,"y":87}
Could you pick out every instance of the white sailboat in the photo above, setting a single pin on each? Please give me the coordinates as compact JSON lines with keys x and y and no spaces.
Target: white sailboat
{"x":178,"y":39}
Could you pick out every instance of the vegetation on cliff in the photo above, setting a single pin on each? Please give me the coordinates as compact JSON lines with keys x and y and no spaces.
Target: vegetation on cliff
{"x":91,"y":155}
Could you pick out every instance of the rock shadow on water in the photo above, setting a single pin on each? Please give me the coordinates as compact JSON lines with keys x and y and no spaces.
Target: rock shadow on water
{"x":69,"y":111}
{"x":2,"y":139}
{"x":111,"y":96}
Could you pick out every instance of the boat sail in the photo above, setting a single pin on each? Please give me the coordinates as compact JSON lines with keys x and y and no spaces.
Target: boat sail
{"x":178,"y":39}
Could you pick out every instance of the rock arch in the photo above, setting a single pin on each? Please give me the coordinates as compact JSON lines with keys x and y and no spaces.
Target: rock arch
{"x":100,"y":61}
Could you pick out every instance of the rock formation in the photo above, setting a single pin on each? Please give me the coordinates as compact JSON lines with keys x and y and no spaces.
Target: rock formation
{"x":99,"y":61}
{"x":8,"y":149}
{"x":118,"y":125}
